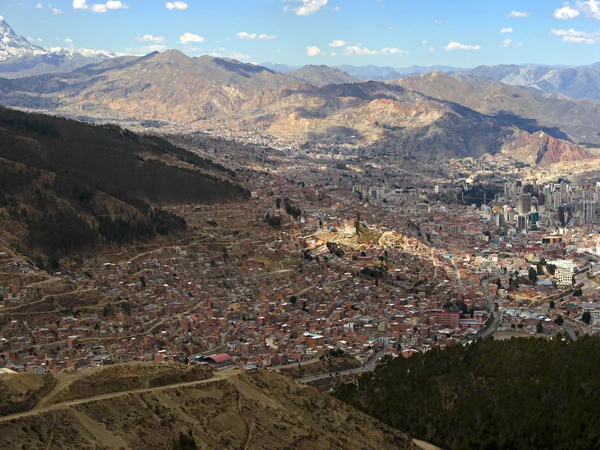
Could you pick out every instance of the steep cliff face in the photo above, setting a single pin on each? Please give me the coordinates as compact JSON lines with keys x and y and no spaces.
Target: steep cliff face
{"x":540,"y":149}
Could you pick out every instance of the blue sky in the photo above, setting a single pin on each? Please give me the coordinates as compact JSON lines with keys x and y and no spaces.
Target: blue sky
{"x":397,"y":33}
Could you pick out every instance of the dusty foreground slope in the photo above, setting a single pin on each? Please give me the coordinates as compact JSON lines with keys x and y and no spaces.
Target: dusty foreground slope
{"x":230,"y":410}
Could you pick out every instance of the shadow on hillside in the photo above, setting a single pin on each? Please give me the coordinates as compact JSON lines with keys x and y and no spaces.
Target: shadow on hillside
{"x":530,"y":125}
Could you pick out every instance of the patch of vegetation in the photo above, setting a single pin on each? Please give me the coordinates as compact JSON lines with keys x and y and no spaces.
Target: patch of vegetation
{"x":291,"y":209}
{"x":512,"y":394}
{"x":185,"y":442}
{"x":78,"y":186}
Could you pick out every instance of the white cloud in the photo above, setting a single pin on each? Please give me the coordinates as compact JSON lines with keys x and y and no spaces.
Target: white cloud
{"x":424,"y":42}
{"x":313,"y":50}
{"x":359,"y":51}
{"x":506,"y":30}
{"x":333,"y":54}
{"x":150,"y":38}
{"x":577,"y":37}
{"x":577,"y":40}
{"x":308,"y":7}
{"x":566,"y":13}
{"x":39,"y":6}
{"x":57,"y":11}
{"x":251,"y":36}
{"x":113,"y":4}
{"x":181,"y":6}
{"x":69,"y":40}
{"x":80,"y":4}
{"x":453,"y":45}
{"x":98,"y":8}
{"x":189,"y":37}
{"x":591,"y":8}
{"x":391,"y":51}
{"x":337,"y":9}
{"x":39,"y":40}
{"x":437,"y":21}
{"x":518,"y":14}
{"x":507,"y":43}
{"x":431,"y":49}
{"x":338,"y":43}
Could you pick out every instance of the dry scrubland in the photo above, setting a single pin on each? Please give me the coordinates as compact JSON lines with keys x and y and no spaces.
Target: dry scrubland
{"x":262,"y":410}
{"x":20,"y":392}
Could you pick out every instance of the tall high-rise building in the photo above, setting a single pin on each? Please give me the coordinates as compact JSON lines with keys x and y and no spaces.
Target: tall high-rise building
{"x":524,"y":204}
{"x":589,"y":211}
{"x":499,"y":220}
{"x":562,"y":218}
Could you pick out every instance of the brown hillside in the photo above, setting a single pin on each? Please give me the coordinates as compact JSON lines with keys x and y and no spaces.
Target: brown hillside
{"x":232,"y":411}
{"x":533,"y":110}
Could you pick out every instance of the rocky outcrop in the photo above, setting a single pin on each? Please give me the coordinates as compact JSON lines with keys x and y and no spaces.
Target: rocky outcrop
{"x":540,"y":149}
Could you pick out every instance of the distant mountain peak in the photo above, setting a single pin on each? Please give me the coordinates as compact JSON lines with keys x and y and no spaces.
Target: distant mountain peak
{"x":12,"y":45}
{"x":19,"y":57}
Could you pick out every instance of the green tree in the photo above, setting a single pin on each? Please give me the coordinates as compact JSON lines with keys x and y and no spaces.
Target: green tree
{"x":533,"y":276}
{"x":501,"y":385}
{"x":552,"y":304}
{"x":559,"y":321}
{"x":586,"y":317}
{"x":185,"y":442}
{"x":539,"y":327}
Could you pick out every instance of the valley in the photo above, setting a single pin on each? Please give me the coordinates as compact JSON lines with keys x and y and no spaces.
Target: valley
{"x":201,"y":252}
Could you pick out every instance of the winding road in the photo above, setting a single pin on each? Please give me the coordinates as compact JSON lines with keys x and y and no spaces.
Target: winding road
{"x":37,"y":409}
{"x":368,"y":367}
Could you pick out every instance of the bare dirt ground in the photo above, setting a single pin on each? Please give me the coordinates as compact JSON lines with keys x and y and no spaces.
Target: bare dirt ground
{"x":231,"y":410}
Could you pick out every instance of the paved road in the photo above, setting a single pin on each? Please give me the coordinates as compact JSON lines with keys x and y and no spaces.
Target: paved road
{"x":497,"y":316}
{"x":295,"y":364}
{"x":458,"y":280}
{"x":368,"y":367}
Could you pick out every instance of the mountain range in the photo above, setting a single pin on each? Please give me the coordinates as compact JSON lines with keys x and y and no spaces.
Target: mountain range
{"x":20,"y":58}
{"x":419,"y":119}
{"x":432,"y":115}
{"x":575,"y":82}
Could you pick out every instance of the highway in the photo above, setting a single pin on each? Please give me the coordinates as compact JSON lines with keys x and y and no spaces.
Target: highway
{"x":368,"y":367}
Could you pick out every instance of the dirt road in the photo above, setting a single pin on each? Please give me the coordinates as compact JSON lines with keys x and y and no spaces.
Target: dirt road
{"x":41,"y":408}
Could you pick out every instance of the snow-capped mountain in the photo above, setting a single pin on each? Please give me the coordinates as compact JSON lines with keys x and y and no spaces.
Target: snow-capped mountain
{"x":12,"y":45}
{"x":19,"y":58}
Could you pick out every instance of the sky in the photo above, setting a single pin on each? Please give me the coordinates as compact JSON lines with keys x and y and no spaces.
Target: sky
{"x":397,"y":33}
